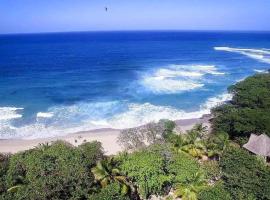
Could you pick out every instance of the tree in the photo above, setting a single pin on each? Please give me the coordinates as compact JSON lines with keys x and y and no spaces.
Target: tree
{"x":249,"y":110}
{"x":189,"y":189}
{"x":146,"y":169}
{"x":105,"y":172}
{"x":244,"y":175}
{"x":56,"y":171}
{"x":139,"y":137}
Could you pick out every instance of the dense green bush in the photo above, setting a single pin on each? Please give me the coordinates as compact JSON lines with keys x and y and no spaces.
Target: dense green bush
{"x":57,"y":171}
{"x":212,"y":170}
{"x":111,"y":192}
{"x":216,"y":192}
{"x":146,"y":168}
{"x":244,"y":175}
{"x":182,"y":166}
{"x":4,"y":162}
{"x":249,"y":110}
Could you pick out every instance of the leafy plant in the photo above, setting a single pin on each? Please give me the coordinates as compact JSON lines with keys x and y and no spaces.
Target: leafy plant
{"x":106,"y":172}
{"x":146,"y":168}
{"x":189,"y":189}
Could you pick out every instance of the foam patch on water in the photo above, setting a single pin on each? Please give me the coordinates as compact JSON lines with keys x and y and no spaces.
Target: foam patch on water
{"x":260,"y":71}
{"x":7,"y":113}
{"x":262,"y":55}
{"x":44,"y":115}
{"x":112,"y":114}
{"x":177,"y":78}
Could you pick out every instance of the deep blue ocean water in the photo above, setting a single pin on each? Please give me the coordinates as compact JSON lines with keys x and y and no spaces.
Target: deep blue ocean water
{"x":58,"y":83}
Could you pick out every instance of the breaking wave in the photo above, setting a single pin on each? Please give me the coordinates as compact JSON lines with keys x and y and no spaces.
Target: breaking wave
{"x":177,"y":78}
{"x":7,"y":113}
{"x":63,"y":120}
{"x":262,"y":55}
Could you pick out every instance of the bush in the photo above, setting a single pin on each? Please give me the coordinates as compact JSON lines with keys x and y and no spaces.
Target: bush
{"x":244,"y":175}
{"x":212,"y":170}
{"x":151,"y":133}
{"x":182,"y":166}
{"x":4,"y":162}
{"x":249,"y":110}
{"x":111,"y":192}
{"x":217,"y":192}
{"x":57,"y":171}
{"x":146,"y":168}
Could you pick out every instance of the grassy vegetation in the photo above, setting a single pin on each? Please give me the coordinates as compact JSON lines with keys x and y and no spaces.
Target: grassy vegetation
{"x":158,"y":161}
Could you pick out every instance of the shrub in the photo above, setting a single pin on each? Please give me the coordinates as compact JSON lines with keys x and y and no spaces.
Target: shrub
{"x":139,"y":137}
{"x":4,"y":162}
{"x":57,"y":171}
{"x":249,"y":110}
{"x":216,"y":192}
{"x":244,"y":175}
{"x":212,"y":170}
{"x":146,"y":169}
{"x":111,"y":192}
{"x":182,"y":166}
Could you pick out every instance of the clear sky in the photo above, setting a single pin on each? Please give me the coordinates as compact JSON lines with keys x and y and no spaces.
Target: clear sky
{"x":24,"y":16}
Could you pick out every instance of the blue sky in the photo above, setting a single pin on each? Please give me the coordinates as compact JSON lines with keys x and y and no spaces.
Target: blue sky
{"x":24,"y":16}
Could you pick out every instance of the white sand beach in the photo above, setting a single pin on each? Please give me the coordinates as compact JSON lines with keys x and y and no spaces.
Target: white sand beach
{"x":108,"y":138}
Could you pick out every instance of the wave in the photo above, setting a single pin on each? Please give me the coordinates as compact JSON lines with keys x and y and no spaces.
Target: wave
{"x":7,"y":113}
{"x":44,"y":115}
{"x":262,"y":55}
{"x":112,"y":114}
{"x":260,"y":70}
{"x":177,"y":78}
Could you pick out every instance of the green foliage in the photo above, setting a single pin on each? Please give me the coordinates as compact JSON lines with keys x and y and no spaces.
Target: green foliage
{"x":4,"y":162}
{"x":57,"y":171}
{"x":244,"y":175}
{"x":106,"y":172}
{"x":110,"y":192}
{"x":182,"y":166}
{"x":212,"y":170}
{"x":189,"y":189}
{"x":249,"y":110}
{"x":146,"y":169}
{"x":216,"y":192}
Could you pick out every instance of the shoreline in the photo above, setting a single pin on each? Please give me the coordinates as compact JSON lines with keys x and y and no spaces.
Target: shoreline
{"x":107,"y":136}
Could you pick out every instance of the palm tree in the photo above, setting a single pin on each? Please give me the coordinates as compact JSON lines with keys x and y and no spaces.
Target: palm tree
{"x":217,"y":145}
{"x":105,"y":173}
{"x":191,"y":187}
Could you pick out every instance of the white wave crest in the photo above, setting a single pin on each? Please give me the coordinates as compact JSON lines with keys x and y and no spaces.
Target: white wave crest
{"x":260,"y":70}
{"x":178,"y":78}
{"x":113,"y":114}
{"x":262,"y":55}
{"x":44,"y":115}
{"x":7,"y":113}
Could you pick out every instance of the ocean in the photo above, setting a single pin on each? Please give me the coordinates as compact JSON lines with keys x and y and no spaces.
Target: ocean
{"x":59,"y":83}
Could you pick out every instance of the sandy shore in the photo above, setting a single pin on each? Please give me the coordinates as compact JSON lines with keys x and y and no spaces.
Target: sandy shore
{"x":108,"y":138}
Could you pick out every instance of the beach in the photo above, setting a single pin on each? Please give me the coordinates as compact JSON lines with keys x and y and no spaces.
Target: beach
{"x":108,"y":137}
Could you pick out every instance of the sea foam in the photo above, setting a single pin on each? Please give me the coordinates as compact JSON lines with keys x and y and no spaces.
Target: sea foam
{"x":44,"y":115}
{"x":262,"y":55}
{"x":177,"y":78}
{"x":111,"y":114}
{"x":7,"y":113}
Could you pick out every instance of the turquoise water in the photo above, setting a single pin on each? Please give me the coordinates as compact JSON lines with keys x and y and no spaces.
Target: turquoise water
{"x":55,"y":84}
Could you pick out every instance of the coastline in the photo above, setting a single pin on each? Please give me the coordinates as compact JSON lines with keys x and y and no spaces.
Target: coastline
{"x":108,"y":137}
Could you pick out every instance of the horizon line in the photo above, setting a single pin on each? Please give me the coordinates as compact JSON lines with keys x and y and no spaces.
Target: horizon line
{"x":137,"y":30}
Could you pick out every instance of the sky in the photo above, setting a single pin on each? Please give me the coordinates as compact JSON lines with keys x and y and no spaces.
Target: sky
{"x":30,"y":16}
